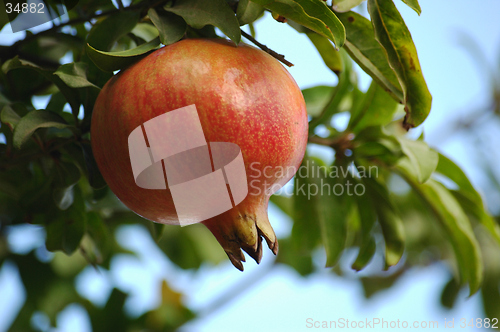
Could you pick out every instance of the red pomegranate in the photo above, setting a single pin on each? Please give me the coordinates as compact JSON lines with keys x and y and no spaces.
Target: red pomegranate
{"x":242,"y":96}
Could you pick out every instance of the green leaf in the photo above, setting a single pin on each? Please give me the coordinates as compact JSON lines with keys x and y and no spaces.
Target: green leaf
{"x":111,"y":61}
{"x":413,"y":4}
{"x":181,"y":248}
{"x":306,"y":233}
{"x":456,"y":225}
{"x":389,"y":220}
{"x":451,"y":170}
{"x":450,"y":293}
{"x":458,"y":228}
{"x":373,"y":285}
{"x":365,"y":254}
{"x":284,"y":203}
{"x":369,"y":54}
{"x":94,"y":175}
{"x":300,"y":262}
{"x":313,"y":14}
{"x":70,"y":94}
{"x":9,"y":116}
{"x":34,"y":120}
{"x":490,"y":294}
{"x":319,"y":212}
{"x":317,"y":98}
{"x":170,"y":26}
{"x":106,"y":32}
{"x":394,"y":36}
{"x":66,"y":229}
{"x":66,"y":177}
{"x":345,"y":5}
{"x":367,"y":218}
{"x":330,"y":56}
{"x":103,"y":35}
{"x":199,"y":13}
{"x":74,"y":75}
{"x":333,"y":213}
{"x":156,"y":230}
{"x":145,"y":31}
{"x":248,"y":11}
{"x":422,"y":159}
{"x":377,"y":108}
{"x":56,"y":103}
{"x":339,"y":94}
{"x":467,"y":196}
{"x":99,"y":233}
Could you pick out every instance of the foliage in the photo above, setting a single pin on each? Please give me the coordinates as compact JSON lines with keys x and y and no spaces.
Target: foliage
{"x":416,"y":200}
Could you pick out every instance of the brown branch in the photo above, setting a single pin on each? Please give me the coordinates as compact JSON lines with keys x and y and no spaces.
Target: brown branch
{"x":322,"y":141}
{"x":266,"y":49}
{"x":340,"y":143}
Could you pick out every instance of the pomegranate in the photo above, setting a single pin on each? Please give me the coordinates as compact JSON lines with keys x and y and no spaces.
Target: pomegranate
{"x":242,"y":96}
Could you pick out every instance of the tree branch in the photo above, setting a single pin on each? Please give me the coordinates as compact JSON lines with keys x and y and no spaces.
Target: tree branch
{"x":266,"y":49}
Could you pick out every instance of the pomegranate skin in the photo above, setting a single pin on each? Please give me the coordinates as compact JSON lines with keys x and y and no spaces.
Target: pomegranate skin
{"x":242,"y":95}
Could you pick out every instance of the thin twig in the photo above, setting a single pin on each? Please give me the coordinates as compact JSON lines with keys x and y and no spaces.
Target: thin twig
{"x":266,"y":49}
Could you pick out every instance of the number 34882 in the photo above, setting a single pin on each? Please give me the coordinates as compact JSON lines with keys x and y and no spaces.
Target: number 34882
{"x":25,"y":8}
{"x":480,"y":323}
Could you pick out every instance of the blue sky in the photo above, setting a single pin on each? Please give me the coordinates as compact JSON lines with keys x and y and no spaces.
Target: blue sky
{"x":281,"y":300}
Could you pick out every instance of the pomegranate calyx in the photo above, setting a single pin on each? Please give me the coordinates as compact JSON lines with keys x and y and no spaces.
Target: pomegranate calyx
{"x":242,"y":231}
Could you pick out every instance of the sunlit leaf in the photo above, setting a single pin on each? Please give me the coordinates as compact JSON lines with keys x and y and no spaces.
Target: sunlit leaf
{"x":377,"y":108}
{"x":345,"y":5}
{"x":394,"y":36}
{"x":248,"y":11}
{"x":317,"y":99}
{"x":413,"y":4}
{"x":199,"y":13}
{"x":422,"y":159}
{"x":306,"y":233}
{"x":107,"y":31}
{"x":170,"y":26}
{"x":467,"y":196}
{"x":366,"y":51}
{"x":111,"y":61}
{"x":330,"y":56}
{"x":456,"y":226}
{"x":313,"y":14}
{"x":339,"y":94}
{"x":299,"y":261}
